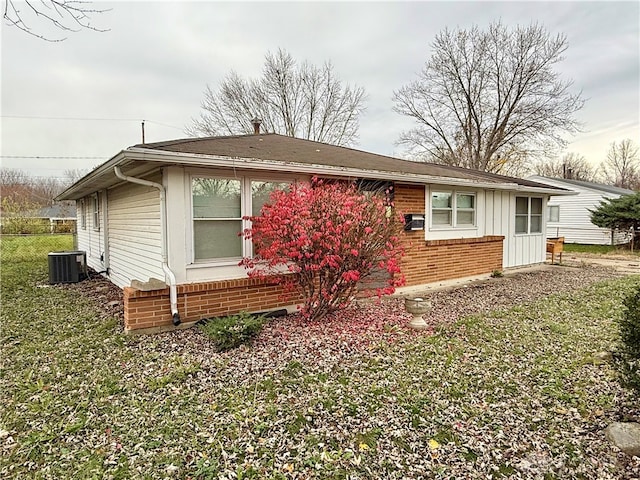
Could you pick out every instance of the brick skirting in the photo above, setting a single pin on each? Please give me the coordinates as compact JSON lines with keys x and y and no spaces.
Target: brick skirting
{"x":152,"y":309}
{"x":438,"y":260}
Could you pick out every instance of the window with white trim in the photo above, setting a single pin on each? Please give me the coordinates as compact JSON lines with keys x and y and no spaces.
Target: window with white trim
{"x":83,"y":214}
{"x":218,"y":205}
{"x":528,"y":215}
{"x":553,"y":213}
{"x":453,"y":209}
{"x":95,"y":202}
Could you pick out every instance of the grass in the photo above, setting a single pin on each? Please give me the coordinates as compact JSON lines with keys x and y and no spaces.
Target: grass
{"x":513,"y":392}
{"x":28,"y":248}
{"x":599,"y":249}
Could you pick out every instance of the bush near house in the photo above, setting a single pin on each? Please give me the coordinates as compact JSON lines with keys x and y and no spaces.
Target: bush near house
{"x":629,"y":359}
{"x":622,"y":214}
{"x":230,"y":332}
{"x":322,"y":240}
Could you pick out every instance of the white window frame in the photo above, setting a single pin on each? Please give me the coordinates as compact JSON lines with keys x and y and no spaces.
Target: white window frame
{"x":95,"y":211}
{"x":83,"y":214}
{"x":245,"y":210}
{"x":550,"y":217}
{"x":454,"y":210}
{"x":529,"y":215}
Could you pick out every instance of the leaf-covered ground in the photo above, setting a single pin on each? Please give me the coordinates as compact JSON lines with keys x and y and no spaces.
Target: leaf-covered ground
{"x":503,"y":385}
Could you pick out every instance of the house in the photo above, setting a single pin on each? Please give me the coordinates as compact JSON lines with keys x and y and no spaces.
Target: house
{"x":56,"y":218}
{"x":161,"y":220}
{"x":60,"y":217}
{"x":568,"y":216}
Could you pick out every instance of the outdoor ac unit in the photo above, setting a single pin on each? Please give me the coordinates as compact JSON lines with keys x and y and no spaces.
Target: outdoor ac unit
{"x":67,"y":267}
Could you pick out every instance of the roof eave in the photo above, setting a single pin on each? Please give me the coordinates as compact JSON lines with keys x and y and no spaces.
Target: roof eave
{"x":191,"y":159}
{"x":80,"y":188}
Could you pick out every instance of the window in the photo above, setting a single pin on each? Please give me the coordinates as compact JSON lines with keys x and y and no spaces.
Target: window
{"x":83,"y":214}
{"x":553,"y":213}
{"x":465,"y":209}
{"x":95,"y":200}
{"x":218,"y":207}
{"x":453,"y":209}
{"x":528,"y":215}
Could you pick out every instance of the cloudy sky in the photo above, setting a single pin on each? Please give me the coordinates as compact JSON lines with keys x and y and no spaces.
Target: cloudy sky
{"x":78,"y":102}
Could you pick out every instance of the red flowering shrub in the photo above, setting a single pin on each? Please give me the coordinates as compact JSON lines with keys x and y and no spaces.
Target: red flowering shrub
{"x":322,"y":240}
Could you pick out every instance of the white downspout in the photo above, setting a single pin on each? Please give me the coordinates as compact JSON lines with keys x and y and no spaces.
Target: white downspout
{"x":169,"y":275}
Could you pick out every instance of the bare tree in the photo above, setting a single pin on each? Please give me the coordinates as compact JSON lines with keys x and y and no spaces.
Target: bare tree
{"x":485,"y":95}
{"x":302,"y":101}
{"x":20,"y":186}
{"x":570,"y":166}
{"x":72,"y":175}
{"x":622,"y":165}
{"x":65,"y":15}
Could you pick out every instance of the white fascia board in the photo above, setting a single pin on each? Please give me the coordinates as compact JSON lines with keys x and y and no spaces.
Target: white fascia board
{"x":200,"y":160}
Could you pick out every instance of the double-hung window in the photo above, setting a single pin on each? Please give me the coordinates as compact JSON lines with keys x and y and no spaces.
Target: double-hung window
{"x":218,"y":205}
{"x":453,"y":209}
{"x":83,"y":214}
{"x":528,"y":215}
{"x":217,"y":217}
{"x":95,"y":201}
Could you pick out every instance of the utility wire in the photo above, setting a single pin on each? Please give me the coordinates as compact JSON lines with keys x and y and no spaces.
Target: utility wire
{"x":56,"y":158}
{"x":36,"y":117}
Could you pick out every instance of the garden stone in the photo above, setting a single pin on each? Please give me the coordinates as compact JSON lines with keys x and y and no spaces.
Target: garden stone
{"x":625,"y":436}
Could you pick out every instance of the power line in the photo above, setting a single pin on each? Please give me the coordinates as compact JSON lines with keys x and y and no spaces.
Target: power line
{"x":52,"y":157}
{"x":98,"y":119}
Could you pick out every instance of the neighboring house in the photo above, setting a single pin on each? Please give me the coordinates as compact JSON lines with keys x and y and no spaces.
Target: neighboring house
{"x":568,"y":216}
{"x":61,"y":218}
{"x":172,"y":211}
{"x":57,"y":218}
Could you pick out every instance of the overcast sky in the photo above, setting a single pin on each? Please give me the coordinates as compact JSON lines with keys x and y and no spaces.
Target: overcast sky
{"x":86,"y":96}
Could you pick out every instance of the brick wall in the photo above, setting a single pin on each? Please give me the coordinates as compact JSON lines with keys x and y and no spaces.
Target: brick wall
{"x":152,"y":309}
{"x":424,"y":262}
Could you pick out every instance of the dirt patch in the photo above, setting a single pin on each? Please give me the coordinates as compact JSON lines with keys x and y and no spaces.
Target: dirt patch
{"x":625,"y":264}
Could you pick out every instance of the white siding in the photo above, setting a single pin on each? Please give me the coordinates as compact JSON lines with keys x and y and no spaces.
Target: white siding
{"x":575,"y":219}
{"x":497,"y":218}
{"x":91,"y":237}
{"x":134,"y":233}
{"x":525,"y":249}
{"x":447,"y":232}
{"x":517,"y":250}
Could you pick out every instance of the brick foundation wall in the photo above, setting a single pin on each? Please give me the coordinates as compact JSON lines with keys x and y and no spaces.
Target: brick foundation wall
{"x":438,"y":260}
{"x":152,"y":309}
{"x":423,"y":262}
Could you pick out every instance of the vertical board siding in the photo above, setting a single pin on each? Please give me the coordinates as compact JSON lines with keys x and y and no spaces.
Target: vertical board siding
{"x":134,"y":234}
{"x":523,"y":249}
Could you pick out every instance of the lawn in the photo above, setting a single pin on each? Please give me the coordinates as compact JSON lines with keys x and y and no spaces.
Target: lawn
{"x":20,"y":248}
{"x":513,"y":393}
{"x":599,"y":249}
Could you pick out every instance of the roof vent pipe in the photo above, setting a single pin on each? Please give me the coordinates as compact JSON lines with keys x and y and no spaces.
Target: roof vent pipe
{"x":256,"y":125}
{"x":169,"y":275}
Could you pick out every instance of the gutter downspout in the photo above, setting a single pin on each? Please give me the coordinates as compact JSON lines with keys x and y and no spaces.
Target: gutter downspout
{"x":173,"y":290}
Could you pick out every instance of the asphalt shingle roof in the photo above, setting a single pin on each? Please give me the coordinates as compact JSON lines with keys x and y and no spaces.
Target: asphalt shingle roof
{"x":294,"y":150}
